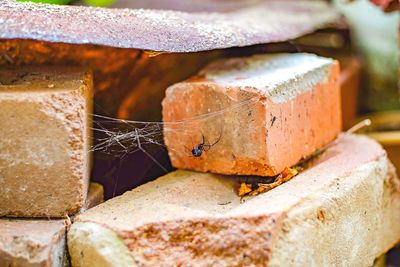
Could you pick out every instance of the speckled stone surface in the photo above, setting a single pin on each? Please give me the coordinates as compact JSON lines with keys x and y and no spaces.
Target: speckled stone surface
{"x":163,"y":30}
{"x":343,"y":210}
{"x":280,"y":77}
{"x":44,"y":148}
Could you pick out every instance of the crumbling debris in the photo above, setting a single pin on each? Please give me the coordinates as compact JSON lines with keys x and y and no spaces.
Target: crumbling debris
{"x":244,"y":189}
{"x":255,"y":186}
{"x":254,"y":189}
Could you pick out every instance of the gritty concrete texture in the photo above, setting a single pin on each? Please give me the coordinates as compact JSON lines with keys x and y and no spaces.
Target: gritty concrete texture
{"x":343,"y":210}
{"x":45,"y":142}
{"x":257,"y":115}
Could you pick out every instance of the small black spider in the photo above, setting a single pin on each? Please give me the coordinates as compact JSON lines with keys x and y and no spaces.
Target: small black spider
{"x":198,"y":150}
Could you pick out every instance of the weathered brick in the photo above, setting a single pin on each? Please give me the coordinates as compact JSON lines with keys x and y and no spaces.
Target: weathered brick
{"x":277,"y":109}
{"x":341,"y":211}
{"x":45,"y":140}
{"x":36,"y":243}
{"x":39,"y":242}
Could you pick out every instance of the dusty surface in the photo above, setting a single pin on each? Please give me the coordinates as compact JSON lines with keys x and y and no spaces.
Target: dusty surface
{"x":280,"y":99}
{"x":32,"y":243}
{"x":40,"y":175}
{"x":342,"y":211}
{"x":279,"y":77}
{"x":162,"y":30}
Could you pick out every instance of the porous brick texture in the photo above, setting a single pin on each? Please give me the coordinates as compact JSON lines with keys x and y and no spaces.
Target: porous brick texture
{"x":39,"y":242}
{"x":260,"y":114}
{"x":45,"y":140}
{"x":343,"y":210}
{"x":33,"y":243}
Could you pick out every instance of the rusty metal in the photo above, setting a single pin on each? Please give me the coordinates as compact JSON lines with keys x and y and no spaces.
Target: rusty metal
{"x":162,"y":30}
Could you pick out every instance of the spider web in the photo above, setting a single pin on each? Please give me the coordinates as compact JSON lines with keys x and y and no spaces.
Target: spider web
{"x":118,"y":137}
{"x":118,"y":140}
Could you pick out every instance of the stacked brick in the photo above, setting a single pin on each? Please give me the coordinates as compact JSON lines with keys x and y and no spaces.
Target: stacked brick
{"x":252,"y":116}
{"x":196,"y":219}
{"x":44,"y":161}
{"x":239,"y":117}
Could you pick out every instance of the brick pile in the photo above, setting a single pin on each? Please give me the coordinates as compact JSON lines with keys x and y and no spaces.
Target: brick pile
{"x":254,"y":116}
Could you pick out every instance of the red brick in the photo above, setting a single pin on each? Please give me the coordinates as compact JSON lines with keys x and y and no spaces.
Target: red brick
{"x":278,"y":109}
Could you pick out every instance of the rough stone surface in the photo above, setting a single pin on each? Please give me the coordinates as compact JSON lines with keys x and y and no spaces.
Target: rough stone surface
{"x":45,"y":142}
{"x":164,"y":30}
{"x":32,"y":243}
{"x":262,"y":113}
{"x":343,"y":210}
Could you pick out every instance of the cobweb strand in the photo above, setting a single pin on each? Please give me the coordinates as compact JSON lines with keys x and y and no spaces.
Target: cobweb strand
{"x":118,"y":136}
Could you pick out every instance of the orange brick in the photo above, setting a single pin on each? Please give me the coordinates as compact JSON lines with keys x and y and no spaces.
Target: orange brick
{"x":276,"y":110}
